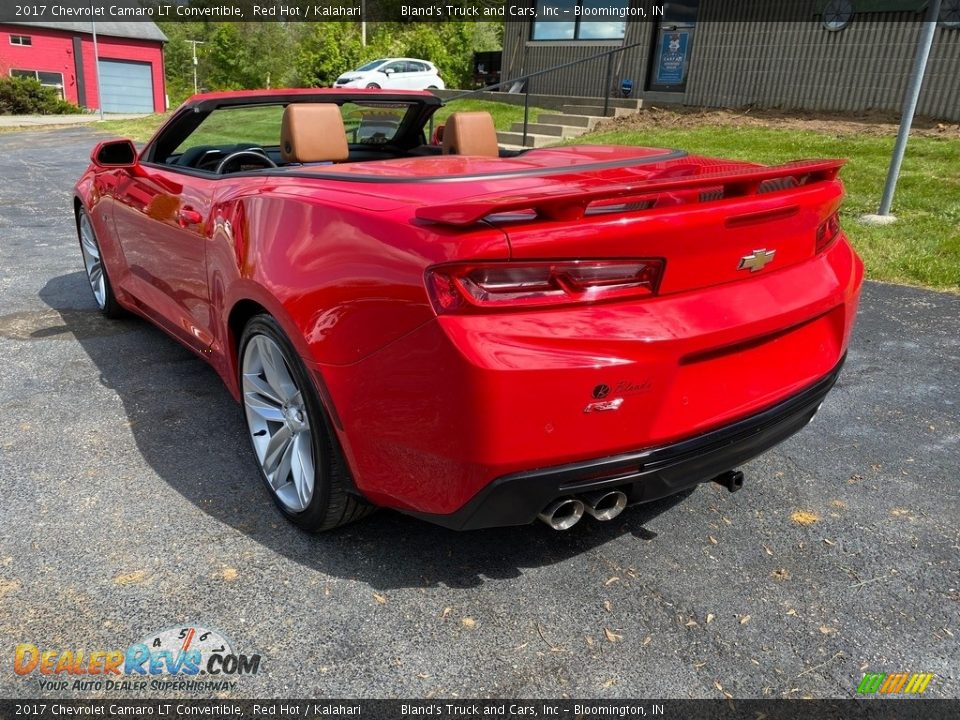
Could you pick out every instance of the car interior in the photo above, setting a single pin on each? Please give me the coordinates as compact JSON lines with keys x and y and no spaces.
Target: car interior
{"x":322,"y":133}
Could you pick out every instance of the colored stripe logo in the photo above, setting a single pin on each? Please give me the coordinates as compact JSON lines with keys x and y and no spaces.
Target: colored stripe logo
{"x":894,"y":683}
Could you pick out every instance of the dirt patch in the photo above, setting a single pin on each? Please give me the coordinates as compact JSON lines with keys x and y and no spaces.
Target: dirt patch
{"x":804,"y":517}
{"x":868,"y":123}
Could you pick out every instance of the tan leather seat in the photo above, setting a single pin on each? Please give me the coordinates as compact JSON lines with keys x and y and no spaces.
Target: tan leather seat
{"x":470,"y":133}
{"x":313,"y":132}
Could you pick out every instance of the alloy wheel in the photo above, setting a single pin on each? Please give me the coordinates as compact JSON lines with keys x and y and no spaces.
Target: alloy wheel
{"x":92,"y":261}
{"x":278,"y":422}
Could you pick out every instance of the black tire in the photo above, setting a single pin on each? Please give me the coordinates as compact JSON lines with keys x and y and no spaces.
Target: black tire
{"x":373,"y":86}
{"x":334,"y":501}
{"x":106,"y":301}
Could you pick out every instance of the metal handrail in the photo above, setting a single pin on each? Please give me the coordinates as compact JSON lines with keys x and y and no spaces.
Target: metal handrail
{"x":524,"y":78}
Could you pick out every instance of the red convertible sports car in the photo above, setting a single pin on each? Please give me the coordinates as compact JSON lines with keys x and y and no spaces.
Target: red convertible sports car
{"x":474,"y":336}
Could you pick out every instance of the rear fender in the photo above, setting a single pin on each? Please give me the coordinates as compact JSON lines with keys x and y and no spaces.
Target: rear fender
{"x":349,"y":281}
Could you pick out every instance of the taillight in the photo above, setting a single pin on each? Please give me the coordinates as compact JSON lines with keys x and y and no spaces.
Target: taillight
{"x":483,"y":287}
{"x":827,"y":232}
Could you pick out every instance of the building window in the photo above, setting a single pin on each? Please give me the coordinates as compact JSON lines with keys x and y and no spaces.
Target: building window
{"x":580,"y":20}
{"x":21,"y":40}
{"x":950,"y":14}
{"x":837,"y":14}
{"x":47,"y":79}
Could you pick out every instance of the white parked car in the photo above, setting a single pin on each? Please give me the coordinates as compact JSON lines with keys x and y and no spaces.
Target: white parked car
{"x":393,"y":74}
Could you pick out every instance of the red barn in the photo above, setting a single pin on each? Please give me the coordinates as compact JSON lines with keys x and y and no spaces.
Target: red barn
{"x":60,"y":54}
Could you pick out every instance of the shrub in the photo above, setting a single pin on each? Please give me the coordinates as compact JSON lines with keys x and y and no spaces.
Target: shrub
{"x":26,"y":96}
{"x":65,"y":107}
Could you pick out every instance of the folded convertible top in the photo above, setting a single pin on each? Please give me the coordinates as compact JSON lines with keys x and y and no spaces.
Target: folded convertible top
{"x":571,"y":203}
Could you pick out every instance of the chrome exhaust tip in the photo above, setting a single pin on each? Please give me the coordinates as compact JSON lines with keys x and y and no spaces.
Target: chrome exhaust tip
{"x":562,"y":514}
{"x":605,"y":504}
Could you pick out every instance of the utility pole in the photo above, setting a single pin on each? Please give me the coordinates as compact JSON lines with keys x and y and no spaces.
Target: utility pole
{"x":924,"y":44}
{"x":96,"y":62}
{"x":363,"y":23}
{"x":194,"y":43}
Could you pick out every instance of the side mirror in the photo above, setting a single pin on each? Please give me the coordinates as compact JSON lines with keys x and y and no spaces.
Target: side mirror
{"x":115,"y":154}
{"x":388,"y":71}
{"x":437,"y":138}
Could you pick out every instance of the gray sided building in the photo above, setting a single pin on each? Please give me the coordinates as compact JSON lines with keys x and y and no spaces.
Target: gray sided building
{"x":817,"y":55}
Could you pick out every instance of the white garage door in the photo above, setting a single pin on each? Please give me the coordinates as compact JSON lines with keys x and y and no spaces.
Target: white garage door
{"x":126,"y":87}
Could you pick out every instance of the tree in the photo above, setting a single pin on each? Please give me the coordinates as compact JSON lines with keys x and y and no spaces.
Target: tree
{"x":178,"y":57}
{"x":280,"y":54}
{"x":327,"y":50}
{"x":248,"y":55}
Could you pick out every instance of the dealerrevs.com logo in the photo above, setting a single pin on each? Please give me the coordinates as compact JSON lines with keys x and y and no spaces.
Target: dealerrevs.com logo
{"x":181,"y":658}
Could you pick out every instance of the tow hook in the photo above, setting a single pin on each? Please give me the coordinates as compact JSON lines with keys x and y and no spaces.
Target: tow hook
{"x":732,"y":480}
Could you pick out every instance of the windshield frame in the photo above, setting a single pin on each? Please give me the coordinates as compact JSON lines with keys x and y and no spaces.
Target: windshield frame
{"x":190,"y":115}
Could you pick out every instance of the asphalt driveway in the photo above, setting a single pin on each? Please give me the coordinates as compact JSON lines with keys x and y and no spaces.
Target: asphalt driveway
{"x":131,"y":504}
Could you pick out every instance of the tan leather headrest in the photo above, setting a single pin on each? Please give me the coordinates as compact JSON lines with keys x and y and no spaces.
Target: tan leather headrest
{"x":470,"y":133}
{"x":313,"y":132}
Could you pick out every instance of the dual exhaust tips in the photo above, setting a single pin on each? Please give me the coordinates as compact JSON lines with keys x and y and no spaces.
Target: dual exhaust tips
{"x":566,"y":512}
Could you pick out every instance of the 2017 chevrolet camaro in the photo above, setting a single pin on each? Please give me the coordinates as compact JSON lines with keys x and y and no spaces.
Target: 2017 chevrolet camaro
{"x":470,"y":335}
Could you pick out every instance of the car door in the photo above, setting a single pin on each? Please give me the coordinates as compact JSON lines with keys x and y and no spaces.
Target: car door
{"x":396,"y":78}
{"x":160,"y":219}
{"x":419,"y":76}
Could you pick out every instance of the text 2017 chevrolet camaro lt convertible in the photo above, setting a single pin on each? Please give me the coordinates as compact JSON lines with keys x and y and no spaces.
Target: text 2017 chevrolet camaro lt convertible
{"x":473,"y":336}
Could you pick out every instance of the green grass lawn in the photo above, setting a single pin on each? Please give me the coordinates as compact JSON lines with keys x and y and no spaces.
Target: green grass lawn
{"x":142,"y":129}
{"x":504,"y":115}
{"x":922,"y":248}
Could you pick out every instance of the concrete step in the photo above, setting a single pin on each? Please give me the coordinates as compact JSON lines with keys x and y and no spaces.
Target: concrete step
{"x":533,"y":140}
{"x":597,"y":111}
{"x":587,"y":122}
{"x":560,"y":131}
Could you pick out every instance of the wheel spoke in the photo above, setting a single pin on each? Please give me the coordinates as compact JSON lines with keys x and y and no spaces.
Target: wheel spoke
{"x":303,"y":468}
{"x":90,"y":246}
{"x":276,"y":449}
{"x":254,"y":384}
{"x":282,"y":476}
{"x":275,"y":371}
{"x":264,"y":407}
{"x":87,"y":238}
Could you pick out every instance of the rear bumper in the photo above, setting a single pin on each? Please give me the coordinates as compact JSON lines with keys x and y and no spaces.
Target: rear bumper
{"x":430,"y":421}
{"x":644,"y":475}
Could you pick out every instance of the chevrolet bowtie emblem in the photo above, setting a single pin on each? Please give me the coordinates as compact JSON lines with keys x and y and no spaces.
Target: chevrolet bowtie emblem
{"x":756,"y":260}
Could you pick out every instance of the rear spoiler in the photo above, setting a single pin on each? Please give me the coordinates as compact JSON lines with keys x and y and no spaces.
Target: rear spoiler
{"x":570,"y":203}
